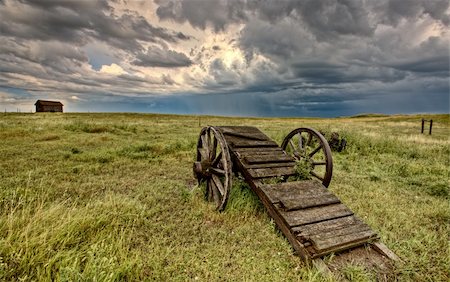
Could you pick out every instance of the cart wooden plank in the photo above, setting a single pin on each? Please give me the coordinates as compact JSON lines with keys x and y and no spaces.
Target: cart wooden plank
{"x":260,"y":157}
{"x":245,"y":135}
{"x":275,"y":158}
{"x":326,"y":226}
{"x":241,"y":129}
{"x":354,"y":238}
{"x":257,"y":173}
{"x":245,"y":132}
{"x":243,"y":143}
{"x":258,"y":150}
{"x":316,"y":214}
{"x":269,"y":165}
{"x":300,"y":194}
{"x":296,"y":202}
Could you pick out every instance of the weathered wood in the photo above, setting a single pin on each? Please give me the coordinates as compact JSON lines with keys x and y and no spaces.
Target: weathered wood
{"x":317,"y":214}
{"x":271,"y":172}
{"x":300,"y":194}
{"x":273,"y":212}
{"x":210,"y":166}
{"x":246,"y":135}
{"x":263,"y":156}
{"x":307,"y":185}
{"x":275,"y":158}
{"x":381,"y":248}
{"x":246,"y":132}
{"x":258,"y":150}
{"x":326,"y":226}
{"x":314,"y":253}
{"x":240,"y":129}
{"x":311,"y":217}
{"x":296,"y":201}
{"x":240,"y":142}
{"x":204,"y":153}
{"x":354,"y":237}
{"x":344,"y":230}
{"x":269,"y":165}
{"x":322,"y":267}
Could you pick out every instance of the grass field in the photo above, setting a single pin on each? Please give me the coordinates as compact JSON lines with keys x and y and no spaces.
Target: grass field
{"x":103,"y":197}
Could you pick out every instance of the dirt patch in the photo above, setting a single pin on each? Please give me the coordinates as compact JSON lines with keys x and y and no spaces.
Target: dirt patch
{"x":365,"y":257}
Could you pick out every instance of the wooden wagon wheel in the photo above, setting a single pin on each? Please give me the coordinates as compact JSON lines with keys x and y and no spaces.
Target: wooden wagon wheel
{"x":214,"y":166}
{"x":311,"y":149}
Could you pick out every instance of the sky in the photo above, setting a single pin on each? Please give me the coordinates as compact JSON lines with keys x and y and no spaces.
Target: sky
{"x":323,"y":58}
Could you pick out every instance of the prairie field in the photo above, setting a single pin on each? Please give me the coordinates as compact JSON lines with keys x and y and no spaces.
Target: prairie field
{"x":112,"y":197}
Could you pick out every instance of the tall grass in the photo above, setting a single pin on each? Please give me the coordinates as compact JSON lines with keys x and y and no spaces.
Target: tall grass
{"x":111,"y":197}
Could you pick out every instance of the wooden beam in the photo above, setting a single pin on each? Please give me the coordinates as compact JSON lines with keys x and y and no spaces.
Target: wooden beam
{"x":383,"y":249}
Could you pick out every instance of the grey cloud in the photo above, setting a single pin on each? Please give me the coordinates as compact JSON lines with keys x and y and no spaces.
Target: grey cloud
{"x":343,"y":17}
{"x":78,"y":22}
{"x":200,"y":13}
{"x":306,"y":56}
{"x":167,"y":79}
{"x":426,"y":65}
{"x":283,"y":40}
{"x":323,"y":17}
{"x":42,"y":47}
{"x":222,"y":75}
{"x":393,"y":11}
{"x":157,"y":57}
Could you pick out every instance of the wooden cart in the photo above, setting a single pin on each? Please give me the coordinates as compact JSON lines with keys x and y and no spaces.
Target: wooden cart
{"x":311,"y":217}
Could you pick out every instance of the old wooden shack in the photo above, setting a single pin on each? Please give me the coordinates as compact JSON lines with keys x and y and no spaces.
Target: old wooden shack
{"x":48,"y":106}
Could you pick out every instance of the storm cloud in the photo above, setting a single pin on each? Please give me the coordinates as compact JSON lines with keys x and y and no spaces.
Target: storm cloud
{"x":312,"y":57}
{"x":157,"y":57}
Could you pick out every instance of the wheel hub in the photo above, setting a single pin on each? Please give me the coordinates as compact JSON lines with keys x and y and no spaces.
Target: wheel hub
{"x":201,"y":169}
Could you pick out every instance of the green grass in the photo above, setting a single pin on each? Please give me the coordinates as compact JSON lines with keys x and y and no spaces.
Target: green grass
{"x":104,"y":197}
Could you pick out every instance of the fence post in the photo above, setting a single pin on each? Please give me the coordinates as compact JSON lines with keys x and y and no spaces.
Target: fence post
{"x":423,"y":125}
{"x":431,"y":125}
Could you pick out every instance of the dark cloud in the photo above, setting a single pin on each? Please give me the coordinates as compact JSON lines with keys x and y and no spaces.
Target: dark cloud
{"x":200,"y":13}
{"x":157,"y":57}
{"x":79,"y":22}
{"x":439,"y":64}
{"x":343,"y":17}
{"x":393,"y":11}
{"x":324,"y":17}
{"x":272,"y":39}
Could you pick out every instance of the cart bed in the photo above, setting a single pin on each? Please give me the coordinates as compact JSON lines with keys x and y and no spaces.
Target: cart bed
{"x":311,"y":217}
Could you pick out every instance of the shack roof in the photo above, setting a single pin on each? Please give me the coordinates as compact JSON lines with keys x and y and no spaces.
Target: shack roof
{"x":48,"y":103}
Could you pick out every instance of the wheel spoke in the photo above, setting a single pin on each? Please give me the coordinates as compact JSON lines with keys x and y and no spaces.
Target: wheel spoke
{"x":310,"y":137}
{"x":315,"y":151}
{"x":218,"y":184}
{"x":300,"y":141}
{"x":208,"y":139}
{"x":312,"y":148}
{"x":292,"y":145}
{"x":212,"y":153}
{"x":203,"y":153}
{"x":205,"y":144}
{"x":316,"y":175}
{"x":216,"y":160}
{"x":217,"y":171}
{"x":209,"y":192}
{"x":213,"y":166}
{"x":215,"y":191}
